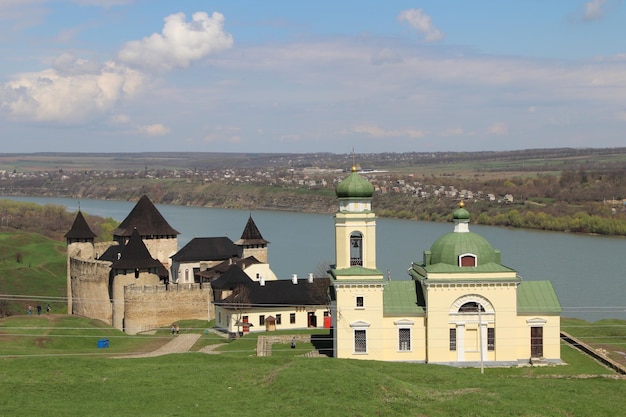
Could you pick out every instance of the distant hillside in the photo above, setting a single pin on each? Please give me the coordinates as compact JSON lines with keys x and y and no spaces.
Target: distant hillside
{"x":50,"y":220}
{"x":534,"y":160}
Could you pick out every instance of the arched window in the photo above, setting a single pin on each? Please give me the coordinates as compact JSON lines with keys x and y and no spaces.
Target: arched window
{"x":186,"y":275}
{"x":356,"y":249}
{"x":471,"y":307}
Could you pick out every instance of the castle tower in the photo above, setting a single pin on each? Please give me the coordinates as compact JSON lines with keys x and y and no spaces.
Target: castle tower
{"x":160,"y":238}
{"x":357,"y":283}
{"x":80,"y":244}
{"x":252,"y":242}
{"x":134,"y":267}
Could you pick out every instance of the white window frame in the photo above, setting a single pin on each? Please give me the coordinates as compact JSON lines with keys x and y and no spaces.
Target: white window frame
{"x":360,"y":326}
{"x":404,"y":324}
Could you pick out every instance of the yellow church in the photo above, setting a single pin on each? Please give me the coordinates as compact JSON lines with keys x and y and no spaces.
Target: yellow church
{"x":460,"y":307}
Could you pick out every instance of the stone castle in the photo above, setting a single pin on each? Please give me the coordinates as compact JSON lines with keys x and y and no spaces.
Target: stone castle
{"x":141,"y":281}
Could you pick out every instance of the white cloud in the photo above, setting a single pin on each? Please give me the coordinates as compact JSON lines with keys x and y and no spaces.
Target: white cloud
{"x":385,"y":56}
{"x":120,"y":119}
{"x":67,"y":65}
{"x":455,"y":131}
{"x":421,"y":22}
{"x":154,"y":130}
{"x":73,"y":91}
{"x":377,"y":132}
{"x":180,"y":42}
{"x":593,"y":10}
{"x":102,"y":3}
{"x":499,"y":128}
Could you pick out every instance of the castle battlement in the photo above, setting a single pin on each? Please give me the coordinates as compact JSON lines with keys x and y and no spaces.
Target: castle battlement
{"x":133,"y":289}
{"x":89,"y":269}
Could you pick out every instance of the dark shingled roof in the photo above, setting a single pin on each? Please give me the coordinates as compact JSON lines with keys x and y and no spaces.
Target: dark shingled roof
{"x":208,"y":249}
{"x":80,"y":229}
{"x":146,"y":219}
{"x":231,"y":279}
{"x":285,"y":292}
{"x":222,"y":267}
{"x":251,"y":235}
{"x":135,"y":255}
{"x":110,"y":254}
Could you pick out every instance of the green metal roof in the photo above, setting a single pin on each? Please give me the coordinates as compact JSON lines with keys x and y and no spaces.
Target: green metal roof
{"x":403,"y":298}
{"x":537,"y":297}
{"x":481,"y":268}
{"x":461,"y":214}
{"x":448,"y":247}
{"x":354,"y":186}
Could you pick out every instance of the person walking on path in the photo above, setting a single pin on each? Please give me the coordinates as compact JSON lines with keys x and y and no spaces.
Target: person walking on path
{"x":30,"y":310}
{"x":39,"y":309}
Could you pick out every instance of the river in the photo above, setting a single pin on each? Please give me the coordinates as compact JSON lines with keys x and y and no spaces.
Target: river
{"x":588,"y":272}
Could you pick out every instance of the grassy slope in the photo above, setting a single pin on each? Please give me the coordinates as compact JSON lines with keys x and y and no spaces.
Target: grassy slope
{"x":55,"y":368}
{"x":198,"y":384}
{"x":41,"y":272}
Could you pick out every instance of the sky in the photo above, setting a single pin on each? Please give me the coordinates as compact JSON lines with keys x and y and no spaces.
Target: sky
{"x":311,"y":76}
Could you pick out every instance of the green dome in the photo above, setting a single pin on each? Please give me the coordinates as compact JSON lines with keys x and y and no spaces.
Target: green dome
{"x":461,"y":214}
{"x":354,"y":186}
{"x":449,"y":247}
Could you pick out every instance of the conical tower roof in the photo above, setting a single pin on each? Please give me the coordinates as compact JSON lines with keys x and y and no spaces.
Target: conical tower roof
{"x":80,"y":229}
{"x":251,"y":235}
{"x":146,"y":219}
{"x":135,"y":255}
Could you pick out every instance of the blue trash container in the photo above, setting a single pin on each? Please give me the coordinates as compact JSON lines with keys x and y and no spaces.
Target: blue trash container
{"x":103,"y":343}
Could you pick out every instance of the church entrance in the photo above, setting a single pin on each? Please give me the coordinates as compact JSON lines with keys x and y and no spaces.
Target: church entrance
{"x":312,"y":319}
{"x":536,"y":342}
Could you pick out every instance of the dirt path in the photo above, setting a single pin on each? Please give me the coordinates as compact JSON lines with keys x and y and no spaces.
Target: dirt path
{"x":179,"y":344}
{"x":211,"y":348}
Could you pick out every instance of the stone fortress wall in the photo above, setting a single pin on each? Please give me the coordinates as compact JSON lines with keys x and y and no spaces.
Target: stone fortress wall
{"x":149,"y":307}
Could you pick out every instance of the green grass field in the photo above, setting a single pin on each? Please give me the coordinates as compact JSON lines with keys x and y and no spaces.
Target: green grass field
{"x":51,"y":365}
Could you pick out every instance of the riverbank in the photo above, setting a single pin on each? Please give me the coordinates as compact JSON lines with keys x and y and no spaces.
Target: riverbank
{"x":586,"y":218}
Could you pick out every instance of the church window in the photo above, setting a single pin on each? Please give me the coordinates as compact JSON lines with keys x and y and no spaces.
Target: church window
{"x":453,"y":339}
{"x":360,"y":341}
{"x":186,"y":275}
{"x":467,"y":260}
{"x":292,"y":318}
{"x":278,"y":319}
{"x":404,"y":340}
{"x":491,"y":338}
{"x":359,"y":301}
{"x":262,"y":320}
{"x":356,"y":249}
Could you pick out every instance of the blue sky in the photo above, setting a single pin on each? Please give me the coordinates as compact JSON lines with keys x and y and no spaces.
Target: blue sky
{"x":299,"y":76}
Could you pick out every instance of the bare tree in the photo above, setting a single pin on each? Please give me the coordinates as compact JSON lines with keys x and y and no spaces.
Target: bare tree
{"x":240,"y":303}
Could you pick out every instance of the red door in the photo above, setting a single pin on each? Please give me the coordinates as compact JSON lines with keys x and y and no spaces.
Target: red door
{"x":244,"y":320}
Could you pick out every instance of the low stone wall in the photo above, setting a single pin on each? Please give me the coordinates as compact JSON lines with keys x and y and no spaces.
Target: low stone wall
{"x":264,"y":343}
